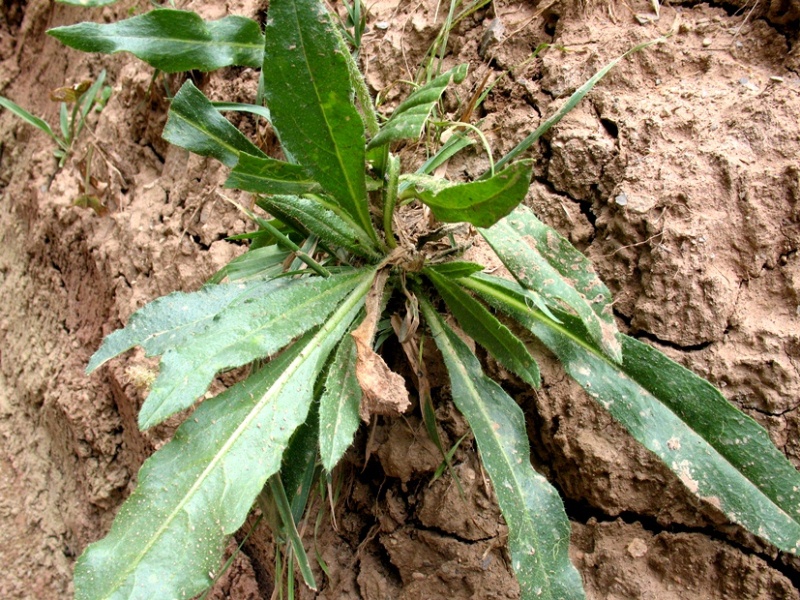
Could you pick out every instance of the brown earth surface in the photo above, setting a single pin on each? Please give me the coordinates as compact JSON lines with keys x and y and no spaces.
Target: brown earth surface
{"x":679,"y":176}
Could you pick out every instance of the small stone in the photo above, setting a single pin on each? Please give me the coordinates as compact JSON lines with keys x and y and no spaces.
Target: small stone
{"x":637,"y":548}
{"x":706,"y":42}
{"x":776,"y":79}
{"x":383,"y":25}
{"x":621,"y":199}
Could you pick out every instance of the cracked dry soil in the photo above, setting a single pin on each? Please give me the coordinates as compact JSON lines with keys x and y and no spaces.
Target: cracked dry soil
{"x":678,"y":176}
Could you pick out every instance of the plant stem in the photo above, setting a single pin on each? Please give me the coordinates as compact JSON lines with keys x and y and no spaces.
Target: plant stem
{"x":284,"y":239}
{"x":390,"y":199}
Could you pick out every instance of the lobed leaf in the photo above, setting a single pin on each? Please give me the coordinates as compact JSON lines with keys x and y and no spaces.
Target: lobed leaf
{"x":171,"y":321}
{"x":513,"y":241}
{"x":248,"y":330}
{"x":263,"y":175}
{"x":308,"y":215}
{"x":409,"y":118}
{"x":308,"y":91}
{"x":168,"y":537}
{"x":482,"y":326}
{"x":538,"y":528}
{"x":196,"y":125}
{"x":339,"y":404}
{"x":172,"y":40}
{"x":719,"y":453}
{"x":482,"y":203}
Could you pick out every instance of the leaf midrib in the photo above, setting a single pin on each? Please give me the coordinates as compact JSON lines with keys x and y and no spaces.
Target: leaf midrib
{"x":275,"y":389}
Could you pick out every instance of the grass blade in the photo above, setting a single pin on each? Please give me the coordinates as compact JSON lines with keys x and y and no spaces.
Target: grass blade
{"x":172,"y":40}
{"x":308,"y":91}
{"x":571,"y":103}
{"x":28,"y":117}
{"x":538,"y":528}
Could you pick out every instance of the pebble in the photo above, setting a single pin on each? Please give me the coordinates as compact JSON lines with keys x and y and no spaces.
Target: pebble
{"x":621,"y":200}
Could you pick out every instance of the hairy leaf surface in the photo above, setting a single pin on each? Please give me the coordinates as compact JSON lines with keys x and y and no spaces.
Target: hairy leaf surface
{"x":719,"y":453}
{"x":172,"y":40}
{"x":409,"y":118}
{"x":513,"y":241}
{"x":171,"y":321}
{"x":481,"y":203}
{"x":248,"y":330}
{"x":482,"y":326}
{"x":538,"y":528}
{"x":196,"y":125}
{"x":309,"y":215}
{"x":265,"y":262}
{"x":308,"y":91}
{"x":338,"y":409}
{"x":198,"y":489}
{"x":263,"y":175}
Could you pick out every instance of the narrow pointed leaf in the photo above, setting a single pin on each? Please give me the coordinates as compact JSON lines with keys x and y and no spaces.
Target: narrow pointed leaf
{"x":567,"y":107}
{"x":518,"y":250}
{"x":172,"y":40}
{"x":172,"y":320}
{"x":263,"y":175}
{"x":481,"y":203}
{"x":538,"y":528}
{"x":27,"y":117}
{"x":196,"y":125}
{"x":263,"y":263}
{"x":457,"y":268}
{"x":482,"y":326}
{"x":338,"y":409}
{"x":245,"y":332}
{"x":308,"y":91}
{"x":409,"y":118}
{"x":168,"y":537}
{"x":719,"y":453}
{"x":310,"y":216}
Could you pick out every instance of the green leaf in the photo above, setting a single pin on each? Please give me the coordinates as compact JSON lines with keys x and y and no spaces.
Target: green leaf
{"x":482,"y":326}
{"x":246,"y":331}
{"x":719,"y":453}
{"x":556,"y":274}
{"x":171,"y":321}
{"x":172,"y":40}
{"x":262,"y":175}
{"x":306,"y":215}
{"x":409,"y":118}
{"x":265,"y":262}
{"x":538,"y":528}
{"x":567,"y":107}
{"x":196,"y":125}
{"x":27,"y":117}
{"x":254,"y":109}
{"x":168,"y":537}
{"x":481,"y":203}
{"x":308,"y":91}
{"x":457,"y":268}
{"x":338,"y":409}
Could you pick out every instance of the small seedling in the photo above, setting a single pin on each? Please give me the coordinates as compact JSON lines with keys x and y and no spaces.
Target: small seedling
{"x":327,"y":274}
{"x":82,"y":97}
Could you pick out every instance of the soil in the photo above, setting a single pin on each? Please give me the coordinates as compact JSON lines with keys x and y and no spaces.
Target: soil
{"x":678,"y":176}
